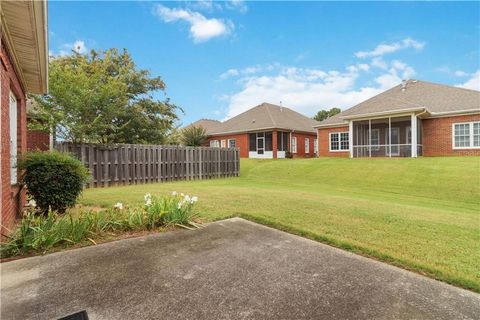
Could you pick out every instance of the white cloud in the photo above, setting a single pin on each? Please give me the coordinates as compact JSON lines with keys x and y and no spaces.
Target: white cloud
{"x":460,"y":73}
{"x":472,"y":83}
{"x":201,"y":28}
{"x":67,"y":48}
{"x":248,"y":70}
{"x":305,"y":89}
{"x":239,"y":5}
{"x":383,"y":48}
{"x":309,"y":89}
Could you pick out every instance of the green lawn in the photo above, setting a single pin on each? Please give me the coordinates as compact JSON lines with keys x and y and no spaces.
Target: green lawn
{"x":422,"y":214}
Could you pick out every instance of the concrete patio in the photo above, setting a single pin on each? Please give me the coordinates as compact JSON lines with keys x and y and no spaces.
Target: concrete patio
{"x":232,"y":269}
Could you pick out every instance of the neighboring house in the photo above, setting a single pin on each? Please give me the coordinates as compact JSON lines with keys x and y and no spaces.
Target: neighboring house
{"x":412,"y":119}
{"x":265,"y":131}
{"x":23,"y":69}
{"x":37,"y":140}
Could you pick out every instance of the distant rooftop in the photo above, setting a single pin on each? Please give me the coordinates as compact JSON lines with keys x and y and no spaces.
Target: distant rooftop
{"x":265,"y":116}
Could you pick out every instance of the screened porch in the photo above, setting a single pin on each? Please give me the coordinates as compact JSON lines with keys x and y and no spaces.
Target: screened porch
{"x":387,"y":137}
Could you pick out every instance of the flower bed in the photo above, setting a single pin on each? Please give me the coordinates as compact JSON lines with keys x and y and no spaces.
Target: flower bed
{"x":39,"y":233}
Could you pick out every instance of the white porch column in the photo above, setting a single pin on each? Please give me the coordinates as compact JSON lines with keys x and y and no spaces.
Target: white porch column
{"x":350,"y":137}
{"x":414,"y":135}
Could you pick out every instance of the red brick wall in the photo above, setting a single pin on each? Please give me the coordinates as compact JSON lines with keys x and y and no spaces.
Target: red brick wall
{"x":13,"y":196}
{"x":324,"y":141}
{"x":242,"y":142}
{"x":301,"y":144}
{"x":437,"y":136}
{"x":38,"y":140}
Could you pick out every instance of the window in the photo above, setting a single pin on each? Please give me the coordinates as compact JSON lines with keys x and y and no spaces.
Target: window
{"x":307,"y":145}
{"x":214,"y":143}
{"x":294,"y":144}
{"x":13,"y":139}
{"x":339,"y":141}
{"x":231,"y":143}
{"x":315,"y":145}
{"x":466,"y":135}
{"x":223,"y":143}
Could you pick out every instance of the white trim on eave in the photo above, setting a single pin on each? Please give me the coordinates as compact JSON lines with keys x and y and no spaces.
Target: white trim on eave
{"x":453,"y":113}
{"x":382,"y":113}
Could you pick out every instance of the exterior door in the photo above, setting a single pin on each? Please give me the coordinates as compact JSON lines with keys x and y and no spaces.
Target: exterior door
{"x":395,"y":143}
{"x":260,"y":143}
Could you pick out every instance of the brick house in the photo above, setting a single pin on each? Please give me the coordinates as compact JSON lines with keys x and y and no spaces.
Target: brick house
{"x":266,"y":131}
{"x":23,"y":69}
{"x":415,"y":118}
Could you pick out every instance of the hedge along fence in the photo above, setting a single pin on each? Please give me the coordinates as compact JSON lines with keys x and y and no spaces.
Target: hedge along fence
{"x":125,"y":164}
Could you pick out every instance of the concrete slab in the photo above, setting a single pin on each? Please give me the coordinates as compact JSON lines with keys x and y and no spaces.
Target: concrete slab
{"x":232,"y":269}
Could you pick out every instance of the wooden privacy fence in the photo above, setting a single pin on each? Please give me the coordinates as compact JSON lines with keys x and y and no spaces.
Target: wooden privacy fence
{"x":126,"y":164}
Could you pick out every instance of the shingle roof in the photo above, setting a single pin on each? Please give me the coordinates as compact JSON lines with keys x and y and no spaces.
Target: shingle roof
{"x":433,"y":97}
{"x":267,"y":116}
{"x":208,"y":124}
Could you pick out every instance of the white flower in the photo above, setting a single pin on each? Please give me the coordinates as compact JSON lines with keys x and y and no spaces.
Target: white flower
{"x":186,"y":198}
{"x":194,"y":199}
{"x":118,"y":206}
{"x":182,"y":194}
{"x":180,"y":205}
{"x":32,"y":203}
{"x":174,"y":193}
{"x":148,"y":199}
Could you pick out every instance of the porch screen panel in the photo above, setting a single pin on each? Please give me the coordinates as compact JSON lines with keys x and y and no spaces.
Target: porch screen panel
{"x":401,"y":146}
{"x":252,"y":142}
{"x":379,"y":147}
{"x":419,"y":137}
{"x":360,"y":138}
{"x":268,"y":141}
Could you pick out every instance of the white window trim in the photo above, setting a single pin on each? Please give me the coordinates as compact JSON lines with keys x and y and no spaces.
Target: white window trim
{"x":13,"y":115}
{"x":315,"y":146}
{"x":214,"y":143}
{"x":339,"y":141}
{"x":470,"y":138}
{"x":294,"y":144}
{"x":307,"y":145}
{"x":228,"y":143}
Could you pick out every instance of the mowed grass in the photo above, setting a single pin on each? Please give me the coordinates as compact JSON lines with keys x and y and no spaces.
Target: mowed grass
{"x":421,"y":214}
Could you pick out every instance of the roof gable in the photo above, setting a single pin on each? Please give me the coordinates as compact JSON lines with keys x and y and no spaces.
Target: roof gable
{"x":433,"y":97}
{"x":267,"y":116}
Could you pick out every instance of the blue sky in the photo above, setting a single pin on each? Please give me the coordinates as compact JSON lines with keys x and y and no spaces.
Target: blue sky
{"x":221,"y":58}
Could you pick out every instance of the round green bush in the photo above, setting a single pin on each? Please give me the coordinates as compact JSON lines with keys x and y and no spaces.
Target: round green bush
{"x":54,"y":180}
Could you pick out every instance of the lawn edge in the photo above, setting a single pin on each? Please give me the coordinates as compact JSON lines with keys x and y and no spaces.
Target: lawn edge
{"x":363,"y":251}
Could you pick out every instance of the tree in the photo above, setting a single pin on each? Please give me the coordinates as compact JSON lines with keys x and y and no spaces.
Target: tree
{"x":102,"y":97}
{"x":324,"y":114}
{"x":193,"y":136}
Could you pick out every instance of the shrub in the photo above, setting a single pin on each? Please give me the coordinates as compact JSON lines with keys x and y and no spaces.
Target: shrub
{"x":53,"y":179}
{"x":193,"y":136}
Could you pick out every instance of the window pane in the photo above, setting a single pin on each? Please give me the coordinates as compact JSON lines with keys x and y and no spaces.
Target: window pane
{"x":462,"y":135}
{"x":344,"y":141}
{"x":334,"y":143}
{"x":231,"y":143}
{"x":476,"y":134}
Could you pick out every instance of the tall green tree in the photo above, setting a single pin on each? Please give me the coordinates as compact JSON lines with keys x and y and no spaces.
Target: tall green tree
{"x":324,"y":114}
{"x":102,"y":97}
